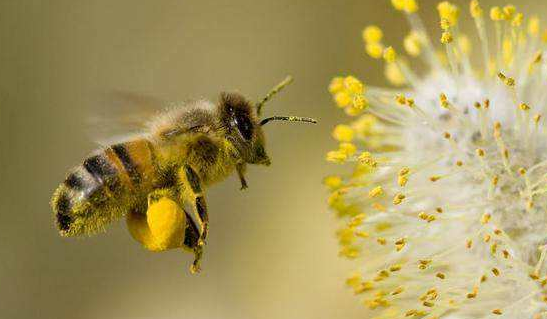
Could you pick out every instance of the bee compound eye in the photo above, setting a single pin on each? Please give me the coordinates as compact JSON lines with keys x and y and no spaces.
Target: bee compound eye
{"x":244,"y":126}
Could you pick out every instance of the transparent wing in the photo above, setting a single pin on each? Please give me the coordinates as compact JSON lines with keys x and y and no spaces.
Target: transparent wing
{"x":118,"y":115}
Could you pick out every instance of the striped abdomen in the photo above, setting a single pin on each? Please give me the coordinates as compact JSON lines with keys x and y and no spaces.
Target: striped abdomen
{"x":105,"y":187}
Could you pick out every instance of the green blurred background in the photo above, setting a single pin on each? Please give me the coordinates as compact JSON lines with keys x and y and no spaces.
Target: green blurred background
{"x":272,"y":251}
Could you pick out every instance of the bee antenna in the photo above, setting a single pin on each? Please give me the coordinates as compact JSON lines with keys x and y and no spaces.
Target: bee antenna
{"x":273,"y":92}
{"x":288,"y":118}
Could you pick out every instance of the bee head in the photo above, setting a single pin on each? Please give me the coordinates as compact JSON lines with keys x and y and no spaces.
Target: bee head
{"x":243,"y":128}
{"x":241,"y":118}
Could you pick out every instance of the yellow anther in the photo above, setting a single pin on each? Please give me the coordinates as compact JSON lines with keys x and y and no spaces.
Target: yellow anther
{"x":410,"y":102}
{"x":495,"y":180}
{"x":381,"y":240}
{"x":411,"y":6}
{"x":333,"y":182}
{"x":376,"y":192}
{"x":497,"y":312}
{"x":395,"y":268}
{"x":522,"y":171}
{"x":425,"y":261}
{"x":496,"y":14}
{"x":485,"y":218}
{"x":497,"y":231}
{"x":446,"y":135}
{"x":411,"y":312}
{"x":336,"y":157}
{"x":398,"y":199}
{"x":468,"y":244}
{"x":353,"y":85}
{"x":449,"y":12}
{"x":343,"y":133}
{"x":459,"y":163}
{"x":342,"y":99}
{"x":493,"y":248}
{"x":443,"y":97}
{"x":505,"y":254}
{"x":362,"y":234}
{"x":446,"y":37}
{"x":408,"y":6}
{"x":475,"y":9}
{"x":533,"y":26}
{"x":347,"y":148}
{"x":517,"y":20}
{"x":495,"y":271}
{"x":394,"y":75}
{"x":480,"y":152}
{"x":390,"y":55}
{"x":428,"y":304}
{"x":360,"y":102}
{"x":423,"y":215}
{"x":537,"y":118}
{"x":440,"y":275}
{"x":349,"y":252}
{"x":486,"y":238}
{"x":533,"y":276}
{"x":506,"y":80}
{"x":439,"y":210}
{"x":434,"y":178}
{"x":374,"y":50}
{"x":336,"y":85}
{"x":366,"y":158}
{"x":398,"y":4}
{"x":524,"y":106}
{"x":402,"y":180}
{"x":444,"y":24}
{"x":372,"y":34}
{"x":354,"y":280}
{"x":400,"y":99}
{"x":357,"y":220}
{"x":509,"y":11}
{"x":412,"y":43}
{"x":404,"y":171}
{"x":538,"y":57}
{"x":397,"y":291}
{"x":486,"y":103}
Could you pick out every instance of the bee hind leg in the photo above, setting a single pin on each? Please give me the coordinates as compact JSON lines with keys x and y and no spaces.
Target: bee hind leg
{"x":193,"y":194}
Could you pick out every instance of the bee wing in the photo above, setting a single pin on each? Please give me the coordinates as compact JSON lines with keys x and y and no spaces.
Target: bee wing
{"x":119,"y":115}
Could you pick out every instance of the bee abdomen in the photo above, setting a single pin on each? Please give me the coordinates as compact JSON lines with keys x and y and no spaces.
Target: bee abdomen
{"x":101,"y":189}
{"x":81,"y":201}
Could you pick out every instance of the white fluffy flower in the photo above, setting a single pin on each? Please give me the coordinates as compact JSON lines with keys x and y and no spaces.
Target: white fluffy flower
{"x":445,"y":211}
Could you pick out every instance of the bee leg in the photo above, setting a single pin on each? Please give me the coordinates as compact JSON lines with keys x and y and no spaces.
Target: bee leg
{"x":241,"y":168}
{"x":193,"y":195}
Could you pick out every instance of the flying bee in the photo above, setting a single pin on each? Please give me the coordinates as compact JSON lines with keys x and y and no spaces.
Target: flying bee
{"x":150,"y":178}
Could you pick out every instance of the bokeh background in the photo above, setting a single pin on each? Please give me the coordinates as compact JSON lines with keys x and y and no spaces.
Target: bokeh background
{"x":272,"y":252}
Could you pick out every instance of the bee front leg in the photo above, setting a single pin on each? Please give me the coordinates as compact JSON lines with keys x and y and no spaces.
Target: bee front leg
{"x":193,"y":194}
{"x":241,"y":168}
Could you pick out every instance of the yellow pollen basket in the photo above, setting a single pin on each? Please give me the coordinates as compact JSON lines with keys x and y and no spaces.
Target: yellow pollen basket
{"x":162,"y":228}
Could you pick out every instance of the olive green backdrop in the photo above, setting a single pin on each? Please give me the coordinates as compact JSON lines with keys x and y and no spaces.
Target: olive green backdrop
{"x":271,"y":251}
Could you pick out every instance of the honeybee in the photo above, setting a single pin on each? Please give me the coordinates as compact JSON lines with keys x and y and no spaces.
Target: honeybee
{"x":151,"y":178}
